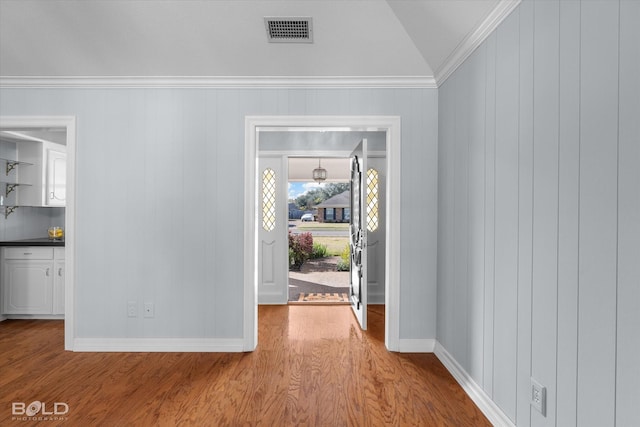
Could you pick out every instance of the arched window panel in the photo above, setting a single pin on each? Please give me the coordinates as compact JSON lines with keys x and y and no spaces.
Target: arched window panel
{"x":268,"y":199}
{"x":373,"y":200}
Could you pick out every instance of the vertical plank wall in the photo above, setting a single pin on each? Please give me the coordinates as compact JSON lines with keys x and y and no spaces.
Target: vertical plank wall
{"x":160,"y":204}
{"x":539,"y":213}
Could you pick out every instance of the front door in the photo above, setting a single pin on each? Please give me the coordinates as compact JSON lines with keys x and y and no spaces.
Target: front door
{"x":358,"y":234}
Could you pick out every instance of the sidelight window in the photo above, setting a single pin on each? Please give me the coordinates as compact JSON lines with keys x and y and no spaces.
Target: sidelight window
{"x":373,"y":198}
{"x":269,"y":199}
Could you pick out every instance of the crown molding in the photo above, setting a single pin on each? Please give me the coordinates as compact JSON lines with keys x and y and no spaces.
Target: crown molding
{"x":474,"y":39}
{"x":303,"y":82}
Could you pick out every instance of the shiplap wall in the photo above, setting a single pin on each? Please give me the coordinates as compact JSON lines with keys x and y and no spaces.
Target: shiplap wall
{"x":539,"y":213}
{"x":160,"y":183}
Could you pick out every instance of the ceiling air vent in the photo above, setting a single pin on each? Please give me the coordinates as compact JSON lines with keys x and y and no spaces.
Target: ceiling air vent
{"x":297,"y":29}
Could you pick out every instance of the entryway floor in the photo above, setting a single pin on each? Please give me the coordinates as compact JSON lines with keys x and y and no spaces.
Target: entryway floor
{"x":318,"y":276}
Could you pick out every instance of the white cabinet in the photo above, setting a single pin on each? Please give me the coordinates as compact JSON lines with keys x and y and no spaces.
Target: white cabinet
{"x":33,"y":280}
{"x":58,"y":281}
{"x":46,"y":178}
{"x":28,"y":287}
{"x":56,"y":193}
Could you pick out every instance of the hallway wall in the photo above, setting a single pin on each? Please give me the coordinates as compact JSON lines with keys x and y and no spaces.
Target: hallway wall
{"x":539,"y":213}
{"x":160,"y":181}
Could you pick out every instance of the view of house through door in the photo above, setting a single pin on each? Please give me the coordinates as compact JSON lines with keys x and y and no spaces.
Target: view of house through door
{"x":271,"y":143}
{"x":330,"y":220}
{"x":318,"y":235}
{"x":321,"y":218}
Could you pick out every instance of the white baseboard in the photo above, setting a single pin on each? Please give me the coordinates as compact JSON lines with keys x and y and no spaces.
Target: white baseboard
{"x":34,"y":316}
{"x":416,"y":345}
{"x":205,"y":345}
{"x":488,"y":407}
{"x":272,"y":300}
{"x":377,"y":299}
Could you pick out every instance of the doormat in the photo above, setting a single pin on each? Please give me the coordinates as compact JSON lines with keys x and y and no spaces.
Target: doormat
{"x":323,"y":298}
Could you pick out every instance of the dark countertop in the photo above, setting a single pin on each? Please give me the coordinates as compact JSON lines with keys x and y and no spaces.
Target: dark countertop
{"x":33,"y":242}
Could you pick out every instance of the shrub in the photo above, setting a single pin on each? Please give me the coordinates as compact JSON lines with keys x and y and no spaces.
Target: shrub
{"x":319,"y":251}
{"x":300,"y":249}
{"x":292,"y":258}
{"x":344,"y":264}
{"x":346,"y":253}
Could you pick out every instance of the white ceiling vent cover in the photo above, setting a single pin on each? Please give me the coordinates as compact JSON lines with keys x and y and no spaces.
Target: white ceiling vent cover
{"x":298,"y":29}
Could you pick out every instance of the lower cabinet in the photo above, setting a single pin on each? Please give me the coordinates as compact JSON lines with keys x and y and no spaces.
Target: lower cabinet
{"x":58,"y":287}
{"x":33,"y":280}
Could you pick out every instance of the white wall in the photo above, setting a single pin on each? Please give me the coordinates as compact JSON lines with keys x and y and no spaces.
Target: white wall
{"x":539,"y":213}
{"x":160,"y":203}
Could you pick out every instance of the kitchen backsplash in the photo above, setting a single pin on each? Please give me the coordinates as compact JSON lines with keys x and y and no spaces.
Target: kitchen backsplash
{"x":30,"y":223}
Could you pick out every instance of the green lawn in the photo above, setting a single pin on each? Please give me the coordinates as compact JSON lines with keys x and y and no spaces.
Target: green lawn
{"x":318,"y":226}
{"x":335,"y":245}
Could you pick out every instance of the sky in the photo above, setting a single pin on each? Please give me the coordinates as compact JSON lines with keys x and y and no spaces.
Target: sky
{"x":298,"y":188}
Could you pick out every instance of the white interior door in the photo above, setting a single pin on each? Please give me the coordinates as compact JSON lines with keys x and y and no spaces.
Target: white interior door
{"x":358,"y":234}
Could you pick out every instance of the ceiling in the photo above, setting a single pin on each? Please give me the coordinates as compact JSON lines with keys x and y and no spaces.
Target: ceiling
{"x":56,"y":135}
{"x":301,"y":168}
{"x":225,"y":38}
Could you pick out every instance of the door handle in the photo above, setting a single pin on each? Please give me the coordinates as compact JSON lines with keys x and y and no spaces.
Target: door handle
{"x":47,"y":272}
{"x":60,"y":272}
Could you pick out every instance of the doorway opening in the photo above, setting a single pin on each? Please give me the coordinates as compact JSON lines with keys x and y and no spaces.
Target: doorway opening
{"x":318,"y":231}
{"x":261,"y":156}
{"x":46,"y":138}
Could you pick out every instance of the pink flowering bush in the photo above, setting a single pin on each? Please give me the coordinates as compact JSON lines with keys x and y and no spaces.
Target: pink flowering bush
{"x":300,"y":249}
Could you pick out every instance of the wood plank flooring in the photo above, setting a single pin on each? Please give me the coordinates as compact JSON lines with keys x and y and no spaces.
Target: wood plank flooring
{"x":313,"y":367}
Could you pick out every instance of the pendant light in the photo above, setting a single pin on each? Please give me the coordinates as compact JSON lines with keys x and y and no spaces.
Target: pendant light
{"x":319,"y":173}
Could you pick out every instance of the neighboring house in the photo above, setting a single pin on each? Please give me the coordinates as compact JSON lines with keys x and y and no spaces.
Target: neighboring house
{"x":335,"y":209}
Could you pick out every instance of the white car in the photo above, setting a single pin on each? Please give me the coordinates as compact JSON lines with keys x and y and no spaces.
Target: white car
{"x":307,"y":217}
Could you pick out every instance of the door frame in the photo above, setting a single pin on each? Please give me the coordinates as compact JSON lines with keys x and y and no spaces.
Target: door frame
{"x":391,"y":126}
{"x":69,"y":123}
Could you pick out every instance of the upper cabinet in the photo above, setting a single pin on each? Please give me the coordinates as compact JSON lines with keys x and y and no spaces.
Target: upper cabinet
{"x":47,"y":176}
{"x":34,"y":172}
{"x":56,"y":193}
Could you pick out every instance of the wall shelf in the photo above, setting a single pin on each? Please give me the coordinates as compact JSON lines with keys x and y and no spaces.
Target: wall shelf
{"x":8,"y":210}
{"x":11,"y":164}
{"x":11,"y":186}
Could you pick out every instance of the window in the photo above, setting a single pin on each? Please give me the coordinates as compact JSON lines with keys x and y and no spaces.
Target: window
{"x":268,"y":199}
{"x":329,"y":213}
{"x":346,"y":215}
{"x":372,"y":200}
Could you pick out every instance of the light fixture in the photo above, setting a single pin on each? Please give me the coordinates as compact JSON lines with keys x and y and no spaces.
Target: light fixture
{"x":319,"y":173}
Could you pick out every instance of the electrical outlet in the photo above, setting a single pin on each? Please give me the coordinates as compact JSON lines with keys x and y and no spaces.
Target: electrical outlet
{"x":539,"y":397}
{"x":132,"y":308}
{"x":149,"y":309}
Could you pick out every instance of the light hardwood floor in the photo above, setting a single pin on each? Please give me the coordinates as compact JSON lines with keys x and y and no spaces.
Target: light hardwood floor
{"x":313,"y":367}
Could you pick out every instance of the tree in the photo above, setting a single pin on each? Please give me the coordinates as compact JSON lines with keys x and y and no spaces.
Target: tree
{"x":318,"y":195}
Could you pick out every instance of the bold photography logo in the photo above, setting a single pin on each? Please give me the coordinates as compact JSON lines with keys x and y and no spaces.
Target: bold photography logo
{"x":41,"y":410}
